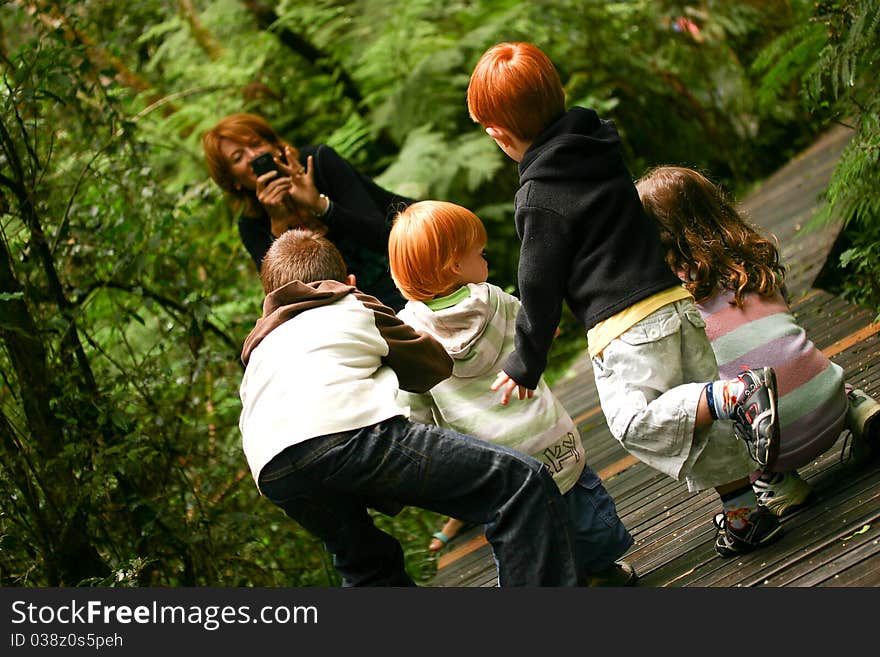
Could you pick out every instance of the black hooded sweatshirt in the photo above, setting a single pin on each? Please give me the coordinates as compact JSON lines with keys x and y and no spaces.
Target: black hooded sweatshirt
{"x":585,"y":237}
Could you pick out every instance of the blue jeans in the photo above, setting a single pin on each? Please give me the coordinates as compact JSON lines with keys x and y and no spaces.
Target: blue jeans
{"x":600,"y":536}
{"x":326,"y":484}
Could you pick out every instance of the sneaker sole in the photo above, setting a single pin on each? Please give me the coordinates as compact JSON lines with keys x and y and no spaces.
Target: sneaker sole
{"x":872,"y":432}
{"x":773,"y":448}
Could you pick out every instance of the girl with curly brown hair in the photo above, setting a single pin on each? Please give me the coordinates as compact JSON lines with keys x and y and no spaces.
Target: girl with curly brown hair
{"x":736,"y":277}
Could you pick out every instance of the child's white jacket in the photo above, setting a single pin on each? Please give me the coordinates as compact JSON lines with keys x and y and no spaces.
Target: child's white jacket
{"x":324,"y":358}
{"x":476,"y":326}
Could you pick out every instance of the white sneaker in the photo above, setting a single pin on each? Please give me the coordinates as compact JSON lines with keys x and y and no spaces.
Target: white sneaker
{"x":863,"y":421}
{"x":786,"y":493}
{"x":755,"y":420}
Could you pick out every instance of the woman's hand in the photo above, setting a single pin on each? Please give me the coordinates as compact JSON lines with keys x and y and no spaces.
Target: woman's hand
{"x":290,"y":197}
{"x":302,"y":188}
{"x":273,"y":193}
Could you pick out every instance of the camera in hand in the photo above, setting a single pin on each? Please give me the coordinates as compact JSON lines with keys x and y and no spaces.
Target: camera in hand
{"x":264,"y":163}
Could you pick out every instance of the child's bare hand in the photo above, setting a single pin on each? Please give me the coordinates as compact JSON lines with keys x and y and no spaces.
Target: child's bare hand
{"x":507,"y":385}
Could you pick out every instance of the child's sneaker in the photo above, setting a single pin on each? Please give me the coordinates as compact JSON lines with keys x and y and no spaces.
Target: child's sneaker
{"x":620,"y":573}
{"x":754,"y":417}
{"x":863,"y":421}
{"x":762,"y":529}
{"x":783,"y":494}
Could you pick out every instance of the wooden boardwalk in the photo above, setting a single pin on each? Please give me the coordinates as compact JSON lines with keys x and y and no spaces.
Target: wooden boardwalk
{"x":834,"y":541}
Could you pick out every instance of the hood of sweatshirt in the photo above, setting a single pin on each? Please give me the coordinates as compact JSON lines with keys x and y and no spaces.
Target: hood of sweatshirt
{"x":579,"y":145}
{"x":287,"y":302}
{"x":461,"y":327}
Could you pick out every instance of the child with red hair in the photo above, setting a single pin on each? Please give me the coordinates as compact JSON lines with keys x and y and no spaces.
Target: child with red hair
{"x":437,"y":262}
{"x":586,"y":241}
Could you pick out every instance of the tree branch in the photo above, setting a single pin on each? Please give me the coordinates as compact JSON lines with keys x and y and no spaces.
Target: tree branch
{"x":178,"y":308}
{"x":51,"y":15}
{"x":202,"y":36}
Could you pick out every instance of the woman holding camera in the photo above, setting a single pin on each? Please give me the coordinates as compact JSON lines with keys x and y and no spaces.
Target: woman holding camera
{"x":310,"y":187}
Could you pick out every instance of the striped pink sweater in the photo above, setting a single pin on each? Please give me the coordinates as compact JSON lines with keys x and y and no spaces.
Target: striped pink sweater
{"x":813,"y":404}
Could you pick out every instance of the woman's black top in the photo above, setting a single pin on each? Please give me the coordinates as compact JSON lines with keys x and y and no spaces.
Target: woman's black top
{"x":358,"y":221}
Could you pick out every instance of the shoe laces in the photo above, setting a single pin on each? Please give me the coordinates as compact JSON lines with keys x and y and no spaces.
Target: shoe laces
{"x":751,"y":379}
{"x":720,"y":520}
{"x":748,"y":439}
{"x":764,"y":495}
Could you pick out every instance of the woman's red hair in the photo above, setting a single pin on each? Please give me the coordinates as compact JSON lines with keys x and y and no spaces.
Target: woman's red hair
{"x":242,"y":129}
{"x":426,"y":241}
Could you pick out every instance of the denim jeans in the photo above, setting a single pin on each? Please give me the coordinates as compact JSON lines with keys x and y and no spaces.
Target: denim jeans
{"x":600,"y":536}
{"x":326,"y":484}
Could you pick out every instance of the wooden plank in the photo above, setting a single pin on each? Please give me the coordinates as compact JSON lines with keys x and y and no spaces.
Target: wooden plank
{"x":864,"y":573}
{"x":807,"y":539}
{"x":454,"y":554}
{"x":838,"y":490}
{"x":587,"y":415}
{"x":617,"y":467}
{"x":852,"y":339}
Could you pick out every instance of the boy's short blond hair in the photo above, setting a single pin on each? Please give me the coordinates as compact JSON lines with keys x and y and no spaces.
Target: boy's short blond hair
{"x":516,"y":87}
{"x":301,"y":255}
{"x":426,"y":240}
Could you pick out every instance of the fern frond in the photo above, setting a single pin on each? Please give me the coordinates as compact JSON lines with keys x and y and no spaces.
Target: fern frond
{"x":776,"y":49}
{"x":786,"y":60}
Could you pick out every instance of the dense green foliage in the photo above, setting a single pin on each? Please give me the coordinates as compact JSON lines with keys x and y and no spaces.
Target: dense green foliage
{"x":125,"y":293}
{"x":833,"y":55}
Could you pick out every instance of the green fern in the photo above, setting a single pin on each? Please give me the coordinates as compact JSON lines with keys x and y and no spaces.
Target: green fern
{"x":786,"y":60}
{"x":843,"y":79}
